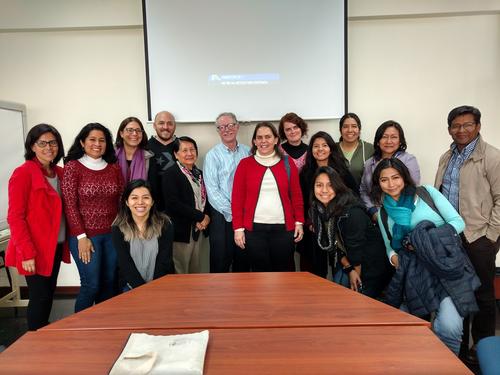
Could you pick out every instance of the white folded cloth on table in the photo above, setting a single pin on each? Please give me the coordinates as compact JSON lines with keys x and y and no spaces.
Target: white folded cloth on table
{"x":150,"y":354}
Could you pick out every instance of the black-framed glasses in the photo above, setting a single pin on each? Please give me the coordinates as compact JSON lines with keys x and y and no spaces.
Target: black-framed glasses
{"x":43,"y":144}
{"x":133,"y":130}
{"x":229,"y":126}
{"x":467,"y":126}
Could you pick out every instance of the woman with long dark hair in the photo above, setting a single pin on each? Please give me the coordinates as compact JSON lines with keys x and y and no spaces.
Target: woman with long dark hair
{"x":91,"y":187}
{"x":267,"y":204}
{"x":389,"y":142}
{"x":37,"y":225}
{"x":131,"y":149}
{"x":322,"y":152}
{"x":142,"y":237}
{"x":343,"y":229}
{"x":421,"y":234}
{"x":354,"y":149}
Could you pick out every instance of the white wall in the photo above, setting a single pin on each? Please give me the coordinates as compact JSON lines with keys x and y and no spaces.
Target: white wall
{"x":73,"y":62}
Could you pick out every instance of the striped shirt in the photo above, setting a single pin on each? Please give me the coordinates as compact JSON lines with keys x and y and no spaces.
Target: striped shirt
{"x":451,"y":178}
{"x":218,"y":173}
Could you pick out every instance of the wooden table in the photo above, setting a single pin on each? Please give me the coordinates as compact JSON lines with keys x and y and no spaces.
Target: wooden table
{"x":244,"y":300}
{"x":313,"y":350}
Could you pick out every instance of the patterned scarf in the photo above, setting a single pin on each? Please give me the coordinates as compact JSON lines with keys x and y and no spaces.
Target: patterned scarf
{"x":195,"y":176}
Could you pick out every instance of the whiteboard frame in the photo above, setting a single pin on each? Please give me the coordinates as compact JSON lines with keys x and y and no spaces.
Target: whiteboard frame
{"x":12,"y":106}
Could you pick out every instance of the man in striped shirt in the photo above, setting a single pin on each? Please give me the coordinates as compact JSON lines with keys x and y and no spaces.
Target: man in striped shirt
{"x":218,"y":172}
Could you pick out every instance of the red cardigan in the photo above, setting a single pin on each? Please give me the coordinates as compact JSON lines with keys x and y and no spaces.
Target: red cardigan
{"x":246,"y":189}
{"x":34,"y":217}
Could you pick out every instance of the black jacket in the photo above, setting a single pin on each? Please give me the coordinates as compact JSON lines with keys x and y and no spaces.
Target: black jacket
{"x":126,"y":267}
{"x":438,"y":267}
{"x":180,"y":204}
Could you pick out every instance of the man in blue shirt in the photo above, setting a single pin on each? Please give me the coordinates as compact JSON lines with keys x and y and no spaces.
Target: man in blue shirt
{"x":469,"y":176}
{"x":218,"y":172}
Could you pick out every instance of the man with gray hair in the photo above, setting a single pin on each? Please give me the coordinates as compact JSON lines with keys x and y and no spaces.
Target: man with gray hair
{"x":218,"y":172}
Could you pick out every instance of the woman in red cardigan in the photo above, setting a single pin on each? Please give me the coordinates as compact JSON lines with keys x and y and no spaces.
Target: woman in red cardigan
{"x":37,"y":227}
{"x":267,"y":204}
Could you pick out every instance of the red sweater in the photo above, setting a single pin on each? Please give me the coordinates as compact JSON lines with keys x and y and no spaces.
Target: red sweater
{"x":35,"y":212}
{"x":246,"y":189}
{"x":91,"y":197}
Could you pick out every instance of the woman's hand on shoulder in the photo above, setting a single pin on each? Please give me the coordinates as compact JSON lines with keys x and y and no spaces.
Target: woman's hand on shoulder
{"x":395,"y":260}
{"x":29,"y":265}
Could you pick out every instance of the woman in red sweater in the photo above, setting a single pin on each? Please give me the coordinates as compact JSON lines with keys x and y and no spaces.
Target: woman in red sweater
{"x":267,"y":203}
{"x":37,"y":226}
{"x":91,"y":187}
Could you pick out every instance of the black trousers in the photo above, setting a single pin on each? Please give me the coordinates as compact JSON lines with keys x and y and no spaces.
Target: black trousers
{"x":270,"y":247}
{"x":41,"y":294}
{"x":482,"y":254}
{"x":223,"y":249}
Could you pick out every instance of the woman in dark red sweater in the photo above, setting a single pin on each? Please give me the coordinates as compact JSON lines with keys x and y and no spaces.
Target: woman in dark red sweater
{"x":37,"y":226}
{"x":267,"y":203}
{"x":91,"y":187}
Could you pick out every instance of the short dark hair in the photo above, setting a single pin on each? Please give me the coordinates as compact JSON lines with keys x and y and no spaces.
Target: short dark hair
{"x":266,"y":124}
{"x":124,"y":123}
{"x":294,"y":119}
{"x":35,"y":133}
{"x":377,"y":153}
{"x":376,"y":191}
{"x":464,"y":110}
{"x":184,"y":138}
{"x":344,"y":196}
{"x":76,"y":151}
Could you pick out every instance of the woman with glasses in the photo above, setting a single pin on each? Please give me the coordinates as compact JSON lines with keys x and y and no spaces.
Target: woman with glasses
{"x":131,"y":149}
{"x":389,"y":142}
{"x":292,"y":129}
{"x":91,"y":187}
{"x":37,"y":226}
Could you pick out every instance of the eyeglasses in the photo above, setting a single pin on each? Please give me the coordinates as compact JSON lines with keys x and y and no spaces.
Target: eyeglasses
{"x":229,"y":126}
{"x":467,"y":126}
{"x":43,"y":144}
{"x":133,"y":130}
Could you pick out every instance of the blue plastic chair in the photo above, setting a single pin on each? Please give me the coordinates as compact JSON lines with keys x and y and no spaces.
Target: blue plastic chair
{"x":488,"y":354}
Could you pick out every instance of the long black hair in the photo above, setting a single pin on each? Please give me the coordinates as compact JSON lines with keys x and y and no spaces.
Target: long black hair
{"x":344,"y":196}
{"x":125,"y":221}
{"x":76,"y":151}
{"x":376,"y":192}
{"x":336,"y":159}
{"x":377,"y":153}
{"x":35,"y":133}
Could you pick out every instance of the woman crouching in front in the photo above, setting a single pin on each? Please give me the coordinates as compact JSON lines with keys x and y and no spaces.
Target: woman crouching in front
{"x":420,"y":230}
{"x":343,"y":228}
{"x":142,"y":237}
{"x":267,"y":204}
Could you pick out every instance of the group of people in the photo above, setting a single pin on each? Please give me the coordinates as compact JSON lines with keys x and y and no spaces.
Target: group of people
{"x":135,"y":212}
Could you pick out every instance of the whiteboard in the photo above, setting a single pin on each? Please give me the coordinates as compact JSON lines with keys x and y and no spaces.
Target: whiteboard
{"x":13,"y":127}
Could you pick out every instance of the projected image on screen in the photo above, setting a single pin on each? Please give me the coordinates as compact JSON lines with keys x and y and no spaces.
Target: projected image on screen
{"x":257,"y":58}
{"x":243,"y":79}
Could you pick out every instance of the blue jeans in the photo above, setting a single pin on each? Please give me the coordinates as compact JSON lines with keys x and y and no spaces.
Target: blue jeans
{"x":98,"y":277}
{"x":447,"y":324}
